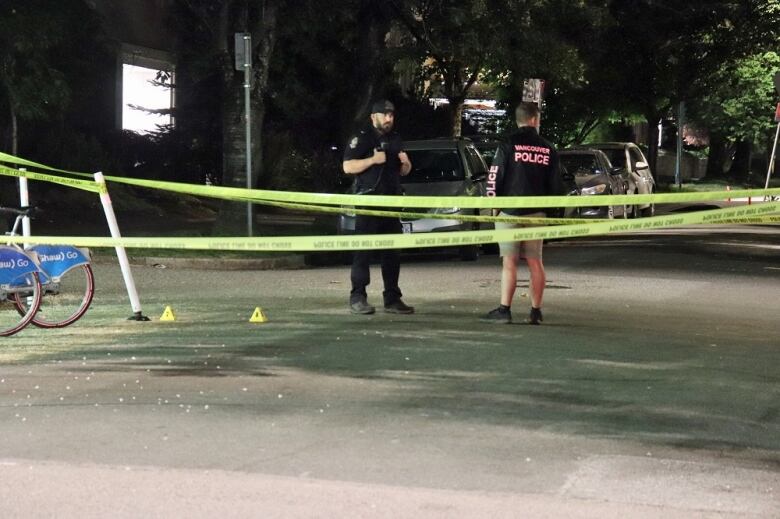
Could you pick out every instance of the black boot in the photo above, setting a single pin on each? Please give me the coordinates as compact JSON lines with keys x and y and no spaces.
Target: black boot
{"x":536,"y":316}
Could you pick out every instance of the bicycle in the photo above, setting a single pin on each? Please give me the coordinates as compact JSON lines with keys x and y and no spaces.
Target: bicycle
{"x":50,"y":286}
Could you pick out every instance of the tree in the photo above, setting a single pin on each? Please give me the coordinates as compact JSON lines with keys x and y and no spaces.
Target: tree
{"x":453,"y":39}
{"x":657,"y":52}
{"x":738,"y":104}
{"x":50,"y":54}
{"x":215,"y":24}
{"x":554,"y":41}
{"x":33,"y":37}
{"x":733,"y":101}
{"x":324,"y":83}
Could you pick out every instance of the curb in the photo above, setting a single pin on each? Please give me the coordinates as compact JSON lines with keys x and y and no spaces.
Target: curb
{"x":282,"y":262}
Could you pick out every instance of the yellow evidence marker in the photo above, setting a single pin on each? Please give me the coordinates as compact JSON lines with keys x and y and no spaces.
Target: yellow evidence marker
{"x":167,"y":315}
{"x":258,"y":316}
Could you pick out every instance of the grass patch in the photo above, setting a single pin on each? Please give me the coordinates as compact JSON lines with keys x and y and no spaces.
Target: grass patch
{"x":699,"y":187}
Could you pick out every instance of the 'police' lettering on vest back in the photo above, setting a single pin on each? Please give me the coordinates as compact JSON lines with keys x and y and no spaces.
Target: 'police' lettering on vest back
{"x":532,"y":154}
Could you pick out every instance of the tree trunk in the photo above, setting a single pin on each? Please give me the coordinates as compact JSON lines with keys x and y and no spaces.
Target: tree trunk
{"x":232,"y":215}
{"x":14,"y":131}
{"x":456,"y":89}
{"x":261,"y":24}
{"x":264,"y":38}
{"x":740,"y":167}
{"x":456,"y":113}
{"x":8,"y":184}
{"x":652,"y":142}
{"x":453,"y":90}
{"x":716,"y":157}
{"x":374,"y":23}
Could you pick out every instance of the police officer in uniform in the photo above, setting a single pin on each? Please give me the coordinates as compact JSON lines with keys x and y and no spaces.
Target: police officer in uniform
{"x":524,"y":165}
{"x":376,"y":157}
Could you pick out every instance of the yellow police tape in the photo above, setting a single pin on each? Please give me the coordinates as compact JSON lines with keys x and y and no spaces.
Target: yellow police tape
{"x":94,"y":187}
{"x":463,"y":202}
{"x":407,"y":215}
{"x":86,"y":185}
{"x":410,"y":241}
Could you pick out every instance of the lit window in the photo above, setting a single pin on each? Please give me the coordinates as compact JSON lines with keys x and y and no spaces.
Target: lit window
{"x":142,"y":92}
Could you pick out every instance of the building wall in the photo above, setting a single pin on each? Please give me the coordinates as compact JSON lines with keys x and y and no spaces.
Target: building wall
{"x":139,"y":35}
{"x":136,"y":22}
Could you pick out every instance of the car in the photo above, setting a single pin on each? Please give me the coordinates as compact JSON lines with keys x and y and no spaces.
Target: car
{"x":440,"y":167}
{"x":630,"y":158}
{"x":588,"y":172}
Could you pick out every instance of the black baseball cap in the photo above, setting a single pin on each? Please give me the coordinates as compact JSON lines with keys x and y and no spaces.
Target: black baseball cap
{"x":382,"y":107}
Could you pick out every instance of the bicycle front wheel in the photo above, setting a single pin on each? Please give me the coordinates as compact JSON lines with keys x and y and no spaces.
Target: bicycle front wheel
{"x":65,"y":300}
{"x":12,"y":319}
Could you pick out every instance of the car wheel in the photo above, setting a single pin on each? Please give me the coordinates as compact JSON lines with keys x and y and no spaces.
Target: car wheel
{"x":648,"y":211}
{"x":635,"y":211}
{"x":469,"y":253}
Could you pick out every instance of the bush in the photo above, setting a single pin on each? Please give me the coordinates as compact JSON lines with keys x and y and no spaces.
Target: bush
{"x":289,"y":168}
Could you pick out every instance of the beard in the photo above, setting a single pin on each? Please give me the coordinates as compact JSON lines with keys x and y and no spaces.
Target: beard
{"x":383,"y":128}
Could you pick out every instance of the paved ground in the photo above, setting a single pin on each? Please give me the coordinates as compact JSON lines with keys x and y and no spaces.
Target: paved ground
{"x":650,"y":391}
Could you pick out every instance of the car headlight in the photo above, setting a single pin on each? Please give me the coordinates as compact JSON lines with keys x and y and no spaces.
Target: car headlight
{"x":446,"y":210}
{"x":595,"y":190}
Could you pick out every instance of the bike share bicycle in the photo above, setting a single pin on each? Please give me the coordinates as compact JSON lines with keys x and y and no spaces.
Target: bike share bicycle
{"x":50,"y":286}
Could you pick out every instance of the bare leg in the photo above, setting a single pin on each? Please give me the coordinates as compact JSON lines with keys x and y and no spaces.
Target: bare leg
{"x":508,"y":278}
{"x":538,"y":280}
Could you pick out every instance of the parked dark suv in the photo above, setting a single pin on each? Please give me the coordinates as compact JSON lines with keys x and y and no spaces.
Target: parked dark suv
{"x":440,"y":167}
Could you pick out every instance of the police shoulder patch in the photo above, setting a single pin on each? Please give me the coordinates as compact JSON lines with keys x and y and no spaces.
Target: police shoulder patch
{"x":353,"y":143}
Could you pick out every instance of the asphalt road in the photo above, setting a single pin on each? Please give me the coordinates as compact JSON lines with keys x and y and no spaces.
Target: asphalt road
{"x":651,"y":390}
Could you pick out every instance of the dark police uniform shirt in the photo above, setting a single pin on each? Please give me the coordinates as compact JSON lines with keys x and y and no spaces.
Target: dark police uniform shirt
{"x":525,"y":165}
{"x":379,"y":179}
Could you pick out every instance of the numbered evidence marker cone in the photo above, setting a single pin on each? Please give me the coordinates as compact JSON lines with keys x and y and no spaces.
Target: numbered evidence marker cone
{"x":167,"y":314}
{"x":258,"y":316}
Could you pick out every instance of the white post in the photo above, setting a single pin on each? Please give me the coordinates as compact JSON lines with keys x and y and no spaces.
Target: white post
{"x":678,"y":159}
{"x":24,"y":201}
{"x":771,"y":167}
{"x":121,"y":255}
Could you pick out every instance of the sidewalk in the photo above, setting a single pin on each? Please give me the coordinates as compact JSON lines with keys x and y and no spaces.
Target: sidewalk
{"x":648,"y":392}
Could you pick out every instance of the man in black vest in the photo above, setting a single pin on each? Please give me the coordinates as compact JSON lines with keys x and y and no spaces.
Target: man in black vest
{"x":524,"y":165}
{"x":375,"y":156}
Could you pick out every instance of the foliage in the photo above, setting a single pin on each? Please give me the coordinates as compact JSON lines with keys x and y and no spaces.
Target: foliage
{"x":50,"y":53}
{"x":30,"y":37}
{"x":550,"y":40}
{"x":452,"y":40}
{"x":606,"y":64}
{"x":740,"y":98}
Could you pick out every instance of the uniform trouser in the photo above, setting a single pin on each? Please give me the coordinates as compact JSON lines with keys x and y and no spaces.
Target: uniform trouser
{"x":390,"y":260}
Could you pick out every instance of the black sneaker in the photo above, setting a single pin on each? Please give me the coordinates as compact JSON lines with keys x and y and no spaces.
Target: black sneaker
{"x":361,"y":306}
{"x":498,"y":315}
{"x":536,"y":316}
{"x":399,"y":307}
